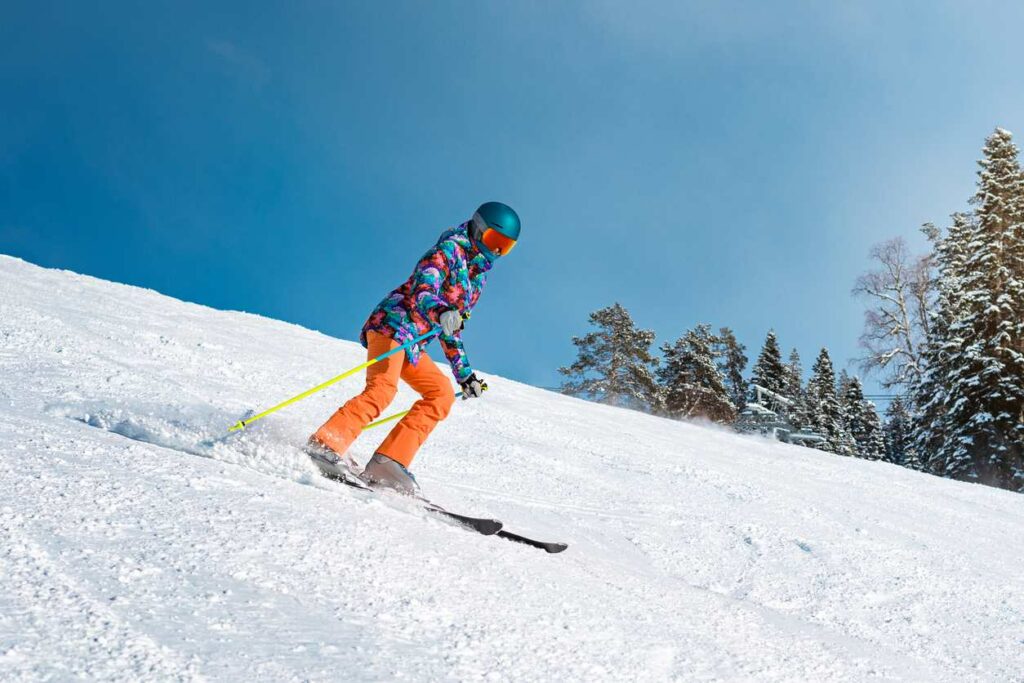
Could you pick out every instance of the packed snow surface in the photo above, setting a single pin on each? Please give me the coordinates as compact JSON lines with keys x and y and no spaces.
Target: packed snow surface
{"x":136,"y":542}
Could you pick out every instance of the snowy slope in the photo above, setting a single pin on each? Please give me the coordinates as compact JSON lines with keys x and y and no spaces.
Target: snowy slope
{"x":134,"y":546}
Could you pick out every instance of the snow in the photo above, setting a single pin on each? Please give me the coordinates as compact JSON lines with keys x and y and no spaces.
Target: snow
{"x":137,"y":541}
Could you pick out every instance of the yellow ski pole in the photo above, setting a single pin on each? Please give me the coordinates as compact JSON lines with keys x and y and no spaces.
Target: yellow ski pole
{"x":389,"y":418}
{"x":242,"y":424}
{"x":384,"y":420}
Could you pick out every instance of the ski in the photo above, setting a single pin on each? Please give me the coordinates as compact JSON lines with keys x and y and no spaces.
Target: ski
{"x":547,"y":546}
{"x":481,"y":525}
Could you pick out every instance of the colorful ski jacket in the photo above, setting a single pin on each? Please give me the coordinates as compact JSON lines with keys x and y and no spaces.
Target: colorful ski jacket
{"x":451,"y":275}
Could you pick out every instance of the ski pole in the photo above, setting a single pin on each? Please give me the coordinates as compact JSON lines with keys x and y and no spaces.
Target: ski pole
{"x":241,"y":424}
{"x":389,"y":418}
{"x":398,"y":415}
{"x":384,"y":420}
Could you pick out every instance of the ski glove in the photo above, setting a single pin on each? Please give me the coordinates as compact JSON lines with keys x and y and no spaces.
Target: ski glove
{"x":473,"y":387}
{"x":451,"y":322}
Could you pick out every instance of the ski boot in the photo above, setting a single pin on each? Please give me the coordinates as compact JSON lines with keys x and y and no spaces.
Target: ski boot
{"x":383,"y":472}
{"x":331,"y":465}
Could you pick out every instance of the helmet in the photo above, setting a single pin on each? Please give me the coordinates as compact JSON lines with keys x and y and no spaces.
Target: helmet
{"x":495,"y":228}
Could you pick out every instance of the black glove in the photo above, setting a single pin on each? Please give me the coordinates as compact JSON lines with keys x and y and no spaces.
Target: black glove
{"x":473,"y":387}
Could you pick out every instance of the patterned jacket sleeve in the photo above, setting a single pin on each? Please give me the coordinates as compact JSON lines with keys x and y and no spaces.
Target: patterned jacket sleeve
{"x":455,"y":352}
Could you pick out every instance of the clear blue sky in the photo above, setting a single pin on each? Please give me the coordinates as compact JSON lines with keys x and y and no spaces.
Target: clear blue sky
{"x":728,"y":162}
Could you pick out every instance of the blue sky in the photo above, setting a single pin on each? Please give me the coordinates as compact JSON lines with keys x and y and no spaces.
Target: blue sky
{"x":728,"y":162}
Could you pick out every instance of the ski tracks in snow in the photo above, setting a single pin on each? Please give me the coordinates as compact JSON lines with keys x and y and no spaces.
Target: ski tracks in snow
{"x":695,"y":554}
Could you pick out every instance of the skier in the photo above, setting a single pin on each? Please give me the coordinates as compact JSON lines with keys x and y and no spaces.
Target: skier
{"x":443,"y":289}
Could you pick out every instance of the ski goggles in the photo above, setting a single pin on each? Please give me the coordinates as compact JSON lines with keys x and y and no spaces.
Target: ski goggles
{"x":496,"y":242}
{"x":492,"y":239}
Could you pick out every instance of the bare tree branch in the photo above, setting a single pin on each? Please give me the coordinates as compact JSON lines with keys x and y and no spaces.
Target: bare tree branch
{"x":896,"y":324}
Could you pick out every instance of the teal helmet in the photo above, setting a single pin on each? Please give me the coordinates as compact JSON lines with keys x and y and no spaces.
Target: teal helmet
{"x":495,"y":228}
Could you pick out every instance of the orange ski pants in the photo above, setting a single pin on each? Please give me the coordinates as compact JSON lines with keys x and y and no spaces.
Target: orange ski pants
{"x":401,"y":444}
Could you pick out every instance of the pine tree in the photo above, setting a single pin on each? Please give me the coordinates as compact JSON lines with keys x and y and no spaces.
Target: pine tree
{"x":692,"y":384}
{"x":862,"y":421}
{"x":824,"y":412}
{"x":842,"y":389}
{"x":897,"y":432}
{"x":769,"y":372}
{"x":912,"y":461}
{"x":847,"y":444}
{"x":984,"y":437}
{"x":732,"y":363}
{"x":614,"y":363}
{"x":851,"y":398}
{"x":874,"y":441}
{"x":930,"y":393}
{"x":793,"y":389}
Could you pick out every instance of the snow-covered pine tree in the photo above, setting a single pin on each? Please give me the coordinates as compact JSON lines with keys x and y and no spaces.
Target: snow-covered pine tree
{"x":732,"y":363}
{"x":984,"y":437}
{"x":897,"y":432}
{"x":794,"y":389}
{"x":614,"y":363}
{"x":862,"y":421}
{"x":1013,"y":467}
{"x":824,"y":413}
{"x":692,"y":384}
{"x":843,"y":382}
{"x":930,"y":393}
{"x":851,"y":399}
{"x":848,"y":444}
{"x":912,"y":461}
{"x":769,"y":372}
{"x":874,"y":443}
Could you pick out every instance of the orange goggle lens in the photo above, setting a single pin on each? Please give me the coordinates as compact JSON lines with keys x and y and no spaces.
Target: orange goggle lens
{"x":497,"y":242}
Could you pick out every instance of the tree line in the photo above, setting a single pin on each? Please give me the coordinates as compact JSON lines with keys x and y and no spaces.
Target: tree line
{"x":945,"y":330}
{"x":703,"y":375}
